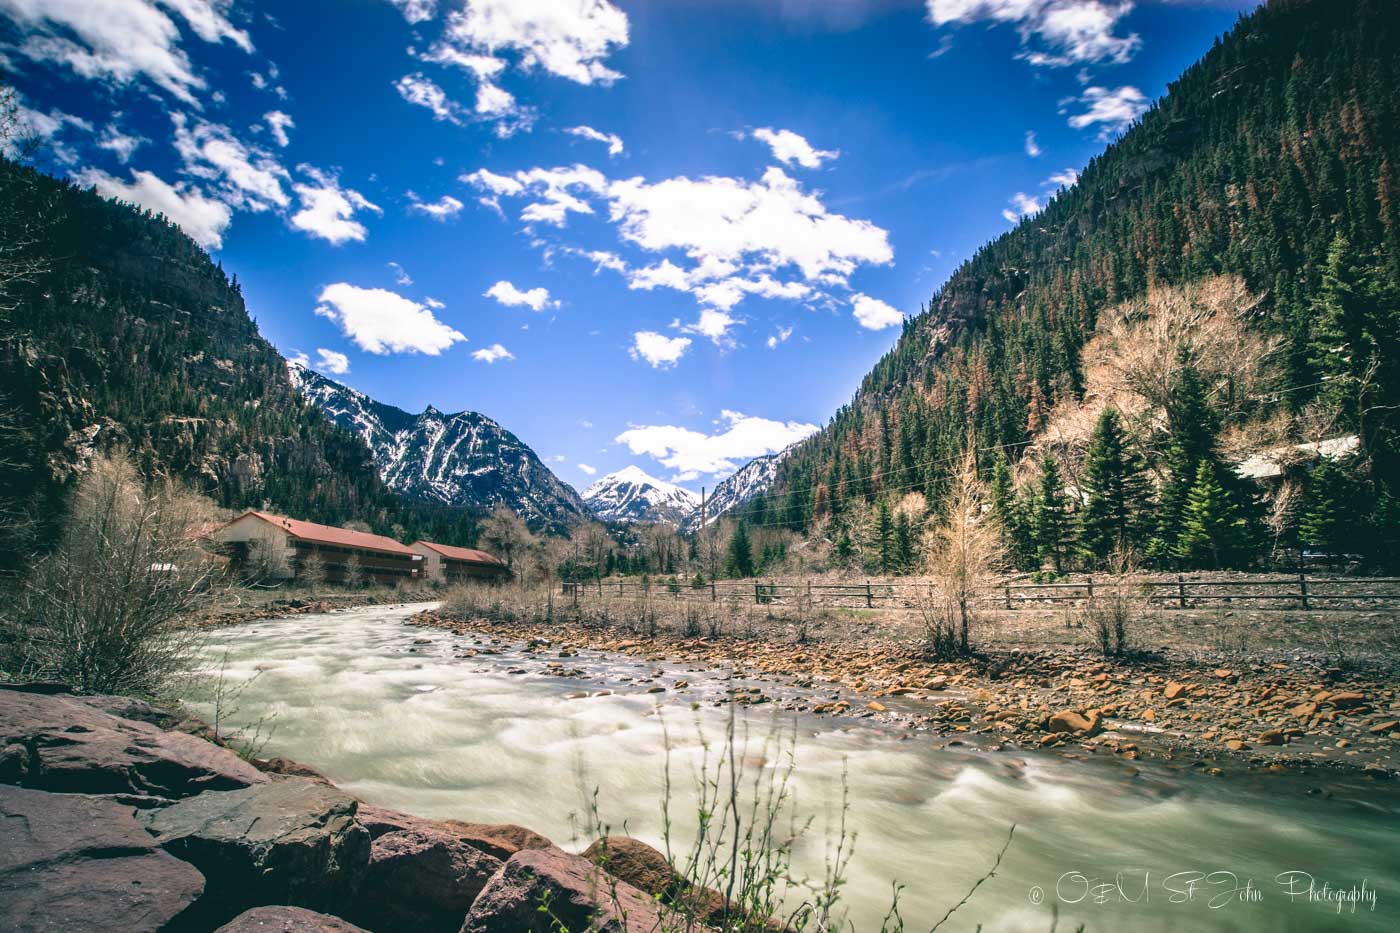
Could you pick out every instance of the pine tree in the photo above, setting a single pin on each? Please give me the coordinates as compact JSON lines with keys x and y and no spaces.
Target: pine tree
{"x":884,"y":537}
{"x":1328,"y":510}
{"x":1051,"y":517}
{"x":903,"y":543}
{"x":1011,"y":516}
{"x":1213,"y":532}
{"x":1116,"y":492}
{"x":738,"y":561}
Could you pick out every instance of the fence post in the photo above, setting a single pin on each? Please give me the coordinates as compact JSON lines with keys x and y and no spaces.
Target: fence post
{"x":1181,"y":589}
{"x":755,"y":594}
{"x":1007,"y":589}
{"x":869,"y":596}
{"x":1303,"y":588}
{"x":1090,"y":581}
{"x":714,"y":594}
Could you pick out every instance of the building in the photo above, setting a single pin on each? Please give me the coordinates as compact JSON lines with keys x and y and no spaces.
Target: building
{"x":1270,"y":466}
{"x":448,"y":564}
{"x":278,"y":547}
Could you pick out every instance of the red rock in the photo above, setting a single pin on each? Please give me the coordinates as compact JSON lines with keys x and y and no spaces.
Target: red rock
{"x":1347,"y":700}
{"x":287,"y":920}
{"x":1086,"y":724}
{"x":580,"y":896}
{"x":1173,"y":690}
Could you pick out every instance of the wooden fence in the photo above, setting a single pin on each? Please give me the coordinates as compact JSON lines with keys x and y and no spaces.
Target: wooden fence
{"x":1294,"y":591}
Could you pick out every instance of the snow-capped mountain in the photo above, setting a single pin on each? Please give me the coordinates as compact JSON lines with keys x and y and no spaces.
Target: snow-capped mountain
{"x":752,"y":479}
{"x":630,"y":495}
{"x":461,"y":459}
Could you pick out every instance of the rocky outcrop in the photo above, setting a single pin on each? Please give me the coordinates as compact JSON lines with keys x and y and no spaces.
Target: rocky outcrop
{"x":287,"y":920}
{"x":110,"y":822}
{"x":292,"y":841}
{"x":68,"y":745}
{"x":544,"y":890}
{"x":75,"y":863}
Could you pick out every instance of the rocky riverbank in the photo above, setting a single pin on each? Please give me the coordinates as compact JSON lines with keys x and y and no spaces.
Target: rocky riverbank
{"x":116,"y":817}
{"x":1215,"y":714}
{"x":251,"y":607}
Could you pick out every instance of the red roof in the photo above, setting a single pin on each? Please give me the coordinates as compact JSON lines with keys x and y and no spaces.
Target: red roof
{"x":470,"y":555}
{"x":327,"y":534}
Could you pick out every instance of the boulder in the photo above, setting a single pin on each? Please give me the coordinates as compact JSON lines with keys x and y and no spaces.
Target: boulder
{"x":544,"y":890}
{"x":1085,"y":724}
{"x":500,"y":840}
{"x":423,"y":879}
{"x":291,"y":841}
{"x":647,"y":869}
{"x":75,"y":863}
{"x":286,"y":920}
{"x":132,"y":708}
{"x":65,"y":744}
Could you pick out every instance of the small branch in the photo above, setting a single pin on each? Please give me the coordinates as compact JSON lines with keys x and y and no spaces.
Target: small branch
{"x":973,"y":890}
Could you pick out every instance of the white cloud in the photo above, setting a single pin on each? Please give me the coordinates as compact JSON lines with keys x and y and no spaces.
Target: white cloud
{"x":277,"y":124}
{"x":121,"y":41}
{"x":119,"y":143}
{"x":612,"y":140}
{"x":203,"y":219}
{"x":401,"y":277}
{"x":443,"y":209}
{"x":416,"y":11}
{"x":337,"y":364}
{"x":493,"y":353}
{"x":1063,"y":179}
{"x":328,"y":210}
{"x":780,"y":337}
{"x":299,"y":358}
{"x":1114,"y":110}
{"x":248,"y":178}
{"x":536,"y":299}
{"x":380,"y":321}
{"x":48,"y":127}
{"x":1053,"y":32}
{"x":691,"y":453}
{"x":660,"y":351}
{"x":1032,"y":147}
{"x":421,"y":90}
{"x":714,"y":324}
{"x":874,"y":314}
{"x":587,"y":470}
{"x":567,"y":38}
{"x":434,"y":303}
{"x":788,"y":148}
{"x":1022,"y":205}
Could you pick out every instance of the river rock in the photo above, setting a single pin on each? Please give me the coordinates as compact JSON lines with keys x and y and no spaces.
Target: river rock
{"x":422,"y":878}
{"x":1086,"y":724}
{"x":647,"y":869}
{"x":578,"y":895}
{"x":291,"y":841}
{"x":500,"y":840}
{"x":287,"y":920}
{"x":76,"y":863}
{"x":64,"y":744}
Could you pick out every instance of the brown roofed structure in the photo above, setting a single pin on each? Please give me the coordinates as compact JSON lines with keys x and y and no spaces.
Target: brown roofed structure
{"x":328,"y":534}
{"x":471,"y":555}
{"x":449,"y":564}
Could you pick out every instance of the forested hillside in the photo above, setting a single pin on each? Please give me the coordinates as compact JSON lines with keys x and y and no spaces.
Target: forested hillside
{"x":117,"y":329}
{"x":1275,"y":159}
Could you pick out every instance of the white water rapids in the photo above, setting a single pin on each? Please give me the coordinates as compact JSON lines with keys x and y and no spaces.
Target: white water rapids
{"x":1119,"y":846}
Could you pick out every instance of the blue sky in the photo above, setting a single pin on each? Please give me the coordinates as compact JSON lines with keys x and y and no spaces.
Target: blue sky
{"x":670,"y":233}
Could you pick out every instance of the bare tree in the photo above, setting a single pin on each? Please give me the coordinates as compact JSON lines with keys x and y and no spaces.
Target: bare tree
{"x":267,"y":559}
{"x":506,"y":534}
{"x":352,"y":574}
{"x":963,"y":553}
{"x":311,"y":570}
{"x":101,"y":611}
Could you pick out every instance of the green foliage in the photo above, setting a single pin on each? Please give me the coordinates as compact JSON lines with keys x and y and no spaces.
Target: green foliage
{"x":1052,"y":525}
{"x":1214,"y":533}
{"x":1116,"y":490}
{"x":738,"y":558}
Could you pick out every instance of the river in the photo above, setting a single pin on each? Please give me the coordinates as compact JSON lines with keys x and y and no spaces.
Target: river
{"x":426,"y":722}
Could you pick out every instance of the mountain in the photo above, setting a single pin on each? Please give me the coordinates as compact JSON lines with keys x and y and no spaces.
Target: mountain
{"x":462,"y":459}
{"x":630,"y":495}
{"x":752,"y":479}
{"x":1274,"y":161}
{"x":117,"y":330}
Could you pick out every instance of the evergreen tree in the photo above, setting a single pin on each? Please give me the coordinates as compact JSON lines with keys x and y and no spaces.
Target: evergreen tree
{"x":1214,"y":534}
{"x":1328,"y":513}
{"x":885,"y":549}
{"x":1116,"y":492}
{"x":844,"y":549}
{"x":1012,"y":517}
{"x":1051,"y":517}
{"x":738,"y":561}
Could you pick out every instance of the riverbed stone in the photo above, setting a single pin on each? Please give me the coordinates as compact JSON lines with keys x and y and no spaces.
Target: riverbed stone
{"x":287,"y":920}
{"x":70,"y":862}
{"x":422,"y":878}
{"x":291,"y":841}
{"x":648,"y":870}
{"x":1086,"y":724}
{"x":64,"y":744}
{"x":577,"y":895}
